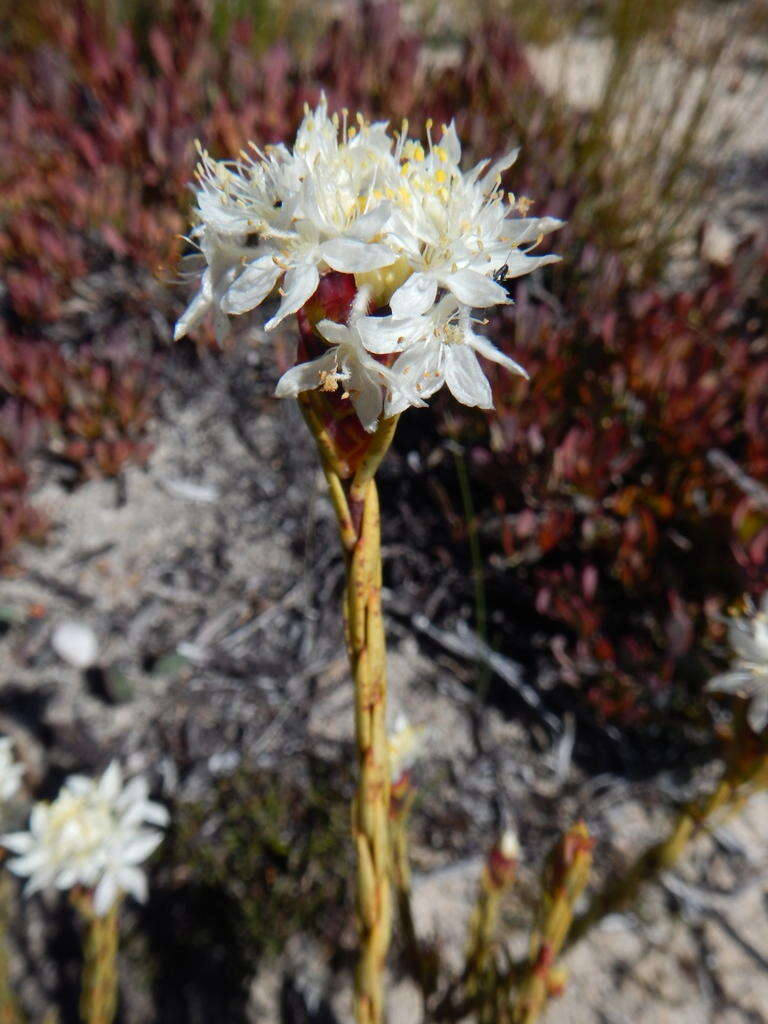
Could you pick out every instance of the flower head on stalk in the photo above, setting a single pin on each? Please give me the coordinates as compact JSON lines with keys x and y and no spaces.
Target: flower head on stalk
{"x":426,"y":240}
{"x":93,"y":835}
{"x":11,"y":771}
{"x":748,"y":674}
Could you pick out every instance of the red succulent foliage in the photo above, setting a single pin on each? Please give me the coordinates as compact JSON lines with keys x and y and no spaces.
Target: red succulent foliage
{"x":94,"y":410}
{"x":18,"y":519}
{"x":620,"y":472}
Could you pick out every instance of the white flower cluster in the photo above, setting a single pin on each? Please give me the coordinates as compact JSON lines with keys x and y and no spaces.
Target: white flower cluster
{"x":421,"y":236}
{"x":11,"y":771}
{"x":93,"y":834}
{"x":748,"y":674}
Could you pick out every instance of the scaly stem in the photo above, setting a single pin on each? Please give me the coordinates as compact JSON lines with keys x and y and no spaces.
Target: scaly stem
{"x":356,"y":503}
{"x":482,"y":933}
{"x":565,"y":877}
{"x":370,"y":818}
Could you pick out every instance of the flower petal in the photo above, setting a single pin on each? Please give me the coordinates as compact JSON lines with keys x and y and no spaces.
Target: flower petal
{"x":305,"y":376}
{"x":31,"y":862}
{"x":757,"y":715}
{"x":371,"y":223}
{"x":299,"y":285}
{"x":333,"y":331}
{"x":736,"y":681}
{"x":420,"y":372}
{"x":196,"y":310}
{"x":105,"y":895}
{"x":17,"y":842}
{"x":382,"y":334}
{"x":155,"y":814}
{"x":415,"y":296}
{"x":528,"y":229}
{"x":350,"y":255}
{"x":518,"y":264}
{"x":111,"y":782}
{"x":252,"y":286}
{"x":465,"y":379}
{"x":450,"y":143}
{"x":368,"y":400}
{"x":489,"y":351}
{"x":133,"y":881}
{"x":474,"y":289}
{"x":497,"y":167}
{"x":140,"y":847}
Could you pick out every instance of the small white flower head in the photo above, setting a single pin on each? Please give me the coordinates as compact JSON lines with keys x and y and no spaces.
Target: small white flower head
{"x":94,"y":834}
{"x":748,"y":674}
{"x":430,"y":241}
{"x":11,"y":771}
{"x":406,"y":744}
{"x":443,"y":349}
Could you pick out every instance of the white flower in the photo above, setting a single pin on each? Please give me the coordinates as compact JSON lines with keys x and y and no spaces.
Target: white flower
{"x":443,"y":349}
{"x":93,"y":834}
{"x":315,"y":244}
{"x":224,"y":256}
{"x":11,"y":771}
{"x":429,"y":240}
{"x":457,"y":230}
{"x":405,"y":744}
{"x":748,"y":674}
{"x":309,"y":210}
{"x":348,"y":364}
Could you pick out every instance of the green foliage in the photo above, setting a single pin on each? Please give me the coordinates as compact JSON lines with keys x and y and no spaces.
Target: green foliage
{"x":277,"y":849}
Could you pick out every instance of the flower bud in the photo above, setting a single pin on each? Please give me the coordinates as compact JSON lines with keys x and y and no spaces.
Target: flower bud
{"x":503,"y":859}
